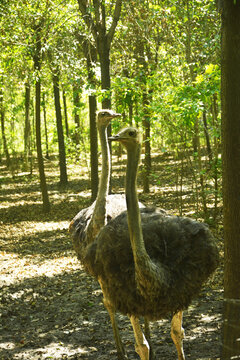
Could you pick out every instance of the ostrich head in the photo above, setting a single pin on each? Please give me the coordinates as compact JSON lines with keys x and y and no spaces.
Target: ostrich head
{"x":105,"y":116}
{"x":128,"y":137}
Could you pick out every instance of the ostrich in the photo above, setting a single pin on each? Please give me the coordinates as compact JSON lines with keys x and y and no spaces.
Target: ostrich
{"x":149,"y":263}
{"x":87,"y":223}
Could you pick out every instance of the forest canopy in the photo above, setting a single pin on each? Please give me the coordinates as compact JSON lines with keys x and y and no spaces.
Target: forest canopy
{"x":155,"y":62}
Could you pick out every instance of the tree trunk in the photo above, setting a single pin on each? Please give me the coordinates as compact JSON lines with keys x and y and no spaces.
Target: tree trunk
{"x":45,"y":124}
{"x":231,"y":176}
{"x":103,"y":40}
{"x":147,"y":144}
{"x":76,"y":103}
{"x":205,"y":127}
{"x":65,"y":112}
{"x":104,"y":54}
{"x":27,"y":127}
{"x":91,"y":58}
{"x":2,"y":115}
{"x":217,"y":145}
{"x":61,"y":144}
{"x":146,"y":96}
{"x":200,"y":169}
{"x":93,"y":145}
{"x":37,"y":67}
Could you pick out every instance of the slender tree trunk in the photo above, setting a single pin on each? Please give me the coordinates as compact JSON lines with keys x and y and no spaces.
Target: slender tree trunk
{"x":130,"y":112}
{"x":147,"y":145}
{"x":104,"y":54}
{"x":93,"y":146}
{"x":33,"y":124}
{"x":45,"y":123}
{"x":2,"y":115}
{"x":61,"y":144}
{"x":199,"y":164}
{"x":65,"y":112}
{"x":76,"y":103}
{"x":37,"y":67}
{"x":27,"y":128}
{"x":231,"y":176}
{"x":217,"y":145}
{"x":209,"y":149}
{"x":43,"y":184}
{"x":93,"y":131}
{"x":189,"y":60}
{"x":146,"y":96}
{"x":91,"y":58}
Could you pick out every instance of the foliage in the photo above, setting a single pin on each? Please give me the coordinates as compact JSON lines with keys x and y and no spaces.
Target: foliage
{"x":164,"y":68}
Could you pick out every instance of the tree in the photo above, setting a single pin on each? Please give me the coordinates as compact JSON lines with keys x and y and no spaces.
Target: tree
{"x":27,"y":126}
{"x":37,"y":58}
{"x":61,"y":143}
{"x":90,"y":55}
{"x":231,"y":176}
{"x":96,"y":22}
{"x":4,"y":140}
{"x":97,"y":26}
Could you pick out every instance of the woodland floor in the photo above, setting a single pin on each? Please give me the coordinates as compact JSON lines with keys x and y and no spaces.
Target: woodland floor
{"x":50,"y":308}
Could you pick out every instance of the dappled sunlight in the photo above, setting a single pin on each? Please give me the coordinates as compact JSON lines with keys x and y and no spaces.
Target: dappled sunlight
{"x":15,"y":269}
{"x":51,"y":308}
{"x":82,"y":194}
{"x":25,"y":237}
{"x":54,"y":350}
{"x":26,"y":228}
{"x":7,"y":345}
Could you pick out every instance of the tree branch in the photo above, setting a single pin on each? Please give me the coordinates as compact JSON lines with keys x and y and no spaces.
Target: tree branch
{"x":96,"y":5}
{"x":116,"y":16}
{"x":87,"y":17}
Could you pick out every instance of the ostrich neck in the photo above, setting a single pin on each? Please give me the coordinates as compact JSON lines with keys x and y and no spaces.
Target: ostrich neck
{"x":150,"y":277}
{"x":134,"y":219}
{"x":98,"y":217}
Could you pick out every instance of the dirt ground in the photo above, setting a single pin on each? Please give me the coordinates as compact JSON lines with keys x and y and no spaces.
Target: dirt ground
{"x":50,"y":308}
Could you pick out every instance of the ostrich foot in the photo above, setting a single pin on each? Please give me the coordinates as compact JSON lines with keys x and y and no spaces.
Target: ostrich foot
{"x":141,"y":345}
{"x":177,"y":334}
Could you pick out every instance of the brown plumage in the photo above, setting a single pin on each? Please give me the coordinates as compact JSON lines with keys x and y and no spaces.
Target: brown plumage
{"x":182,"y":251}
{"x":150,"y":264}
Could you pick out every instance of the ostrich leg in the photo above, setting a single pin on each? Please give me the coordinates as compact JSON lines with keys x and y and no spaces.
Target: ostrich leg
{"x":141,"y":345}
{"x":111,"y":311}
{"x":177,"y":334}
{"x":148,"y":337}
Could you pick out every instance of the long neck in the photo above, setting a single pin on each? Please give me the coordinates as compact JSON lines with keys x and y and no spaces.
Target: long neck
{"x":150,"y":276}
{"x":134,"y":219}
{"x":98,"y":217}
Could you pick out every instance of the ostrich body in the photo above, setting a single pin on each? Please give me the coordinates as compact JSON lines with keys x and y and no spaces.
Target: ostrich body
{"x":87,"y":223}
{"x":79,"y":227}
{"x":150,"y":263}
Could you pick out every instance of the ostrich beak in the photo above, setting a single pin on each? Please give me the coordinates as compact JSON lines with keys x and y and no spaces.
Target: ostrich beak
{"x":113,"y":138}
{"x":114,"y":115}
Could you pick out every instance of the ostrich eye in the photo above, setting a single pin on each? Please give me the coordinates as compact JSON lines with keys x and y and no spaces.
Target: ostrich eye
{"x":131,"y":133}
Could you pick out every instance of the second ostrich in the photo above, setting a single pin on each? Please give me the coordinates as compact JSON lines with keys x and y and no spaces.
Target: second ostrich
{"x":149,"y":263}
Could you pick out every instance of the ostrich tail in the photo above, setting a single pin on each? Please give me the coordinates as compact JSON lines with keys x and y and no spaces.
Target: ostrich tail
{"x":213,"y":254}
{"x":89,"y":260}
